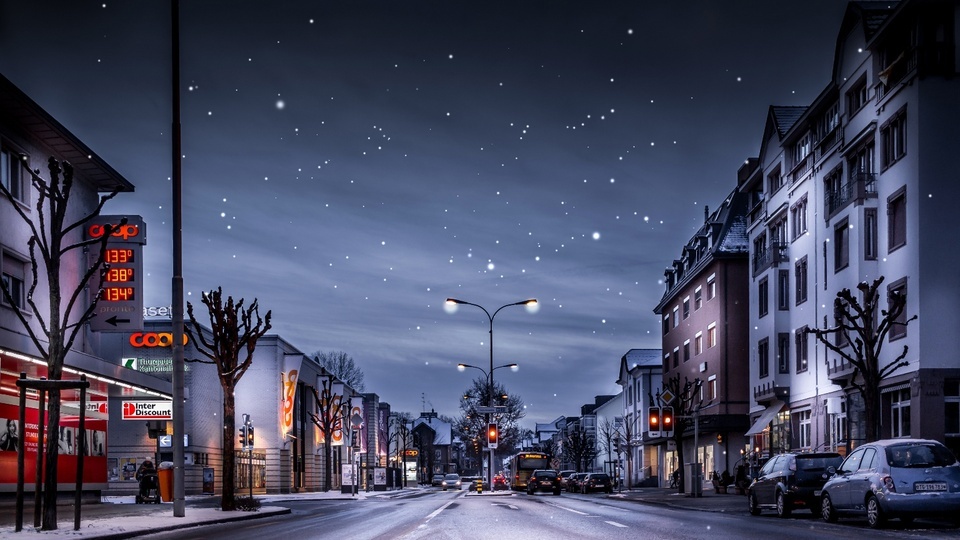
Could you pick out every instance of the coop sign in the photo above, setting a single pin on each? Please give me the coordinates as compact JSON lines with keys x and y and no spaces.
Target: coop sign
{"x":148,"y":410}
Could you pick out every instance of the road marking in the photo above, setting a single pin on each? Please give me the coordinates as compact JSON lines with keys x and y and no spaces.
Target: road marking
{"x":569,"y":509}
{"x":615,"y":524}
{"x":437,"y":511}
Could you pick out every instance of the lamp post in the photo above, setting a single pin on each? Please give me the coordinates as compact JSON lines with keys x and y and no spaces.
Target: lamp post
{"x":454,"y":301}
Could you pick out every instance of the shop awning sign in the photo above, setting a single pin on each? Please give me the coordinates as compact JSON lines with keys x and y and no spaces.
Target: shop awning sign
{"x":148,"y":410}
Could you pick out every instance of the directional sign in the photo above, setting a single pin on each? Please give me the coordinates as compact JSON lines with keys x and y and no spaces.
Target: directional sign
{"x":486,"y":410}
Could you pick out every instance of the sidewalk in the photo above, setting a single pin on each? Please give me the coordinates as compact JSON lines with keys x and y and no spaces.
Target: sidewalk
{"x":120,"y":517}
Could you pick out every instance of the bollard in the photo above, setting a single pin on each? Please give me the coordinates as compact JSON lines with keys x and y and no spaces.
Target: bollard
{"x":480,"y":486}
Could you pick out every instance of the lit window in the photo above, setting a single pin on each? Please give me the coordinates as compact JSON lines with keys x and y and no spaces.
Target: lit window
{"x":712,"y":335}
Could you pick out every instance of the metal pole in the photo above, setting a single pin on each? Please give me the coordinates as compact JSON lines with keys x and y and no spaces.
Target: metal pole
{"x":491,"y":404}
{"x":179,"y":502}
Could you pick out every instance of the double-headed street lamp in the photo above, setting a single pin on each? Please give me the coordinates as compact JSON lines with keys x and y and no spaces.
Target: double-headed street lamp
{"x":454,"y":301}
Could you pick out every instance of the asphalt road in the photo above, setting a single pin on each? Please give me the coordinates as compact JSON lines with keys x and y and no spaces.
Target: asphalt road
{"x":450,"y":515}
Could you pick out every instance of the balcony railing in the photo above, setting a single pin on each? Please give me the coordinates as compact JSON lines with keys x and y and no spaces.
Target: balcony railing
{"x":839,"y":371}
{"x":770,"y":256}
{"x":860,"y":186}
{"x":800,"y":169}
{"x":767,"y":392}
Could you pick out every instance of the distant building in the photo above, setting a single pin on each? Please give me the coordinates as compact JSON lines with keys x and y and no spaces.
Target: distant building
{"x":641,"y":373}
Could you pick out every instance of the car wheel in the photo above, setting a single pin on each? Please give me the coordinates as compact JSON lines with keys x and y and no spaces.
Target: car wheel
{"x":827,"y":511}
{"x":753,"y":505}
{"x":875,"y":517}
{"x":783,"y":506}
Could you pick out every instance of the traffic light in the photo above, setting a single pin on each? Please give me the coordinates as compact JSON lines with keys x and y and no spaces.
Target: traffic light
{"x":666,"y":416}
{"x":243,"y":436}
{"x":249,"y":437}
{"x":653,"y":422}
{"x":493,"y":435}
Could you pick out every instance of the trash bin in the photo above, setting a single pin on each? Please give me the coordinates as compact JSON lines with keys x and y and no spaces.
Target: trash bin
{"x":165,"y":475}
{"x":692,"y":480}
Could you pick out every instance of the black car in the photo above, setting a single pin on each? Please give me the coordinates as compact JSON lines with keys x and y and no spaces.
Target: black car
{"x":596,"y":482}
{"x":544,"y":480}
{"x":790,"y":481}
{"x":573,"y":482}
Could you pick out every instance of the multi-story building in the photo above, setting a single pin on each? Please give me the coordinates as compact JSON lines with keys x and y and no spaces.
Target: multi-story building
{"x":704,"y":327}
{"x":609,"y":435}
{"x":641,"y":373}
{"x":856,"y":186}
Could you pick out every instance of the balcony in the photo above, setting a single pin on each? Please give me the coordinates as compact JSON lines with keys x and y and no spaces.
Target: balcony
{"x":858,"y":188}
{"x":801,"y":169}
{"x":770,"y":256}
{"x":840,"y":372}
{"x":767,"y":392}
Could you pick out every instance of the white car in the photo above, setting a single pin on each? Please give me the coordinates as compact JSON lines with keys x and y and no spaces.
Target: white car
{"x":450,"y":481}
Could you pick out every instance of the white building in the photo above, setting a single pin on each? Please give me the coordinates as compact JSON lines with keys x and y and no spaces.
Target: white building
{"x":857,"y":185}
{"x":641,"y":374}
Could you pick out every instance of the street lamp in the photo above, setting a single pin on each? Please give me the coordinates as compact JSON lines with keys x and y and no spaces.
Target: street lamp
{"x":454,"y":301}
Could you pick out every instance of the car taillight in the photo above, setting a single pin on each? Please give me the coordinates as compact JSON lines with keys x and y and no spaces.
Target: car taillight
{"x":888,"y":484}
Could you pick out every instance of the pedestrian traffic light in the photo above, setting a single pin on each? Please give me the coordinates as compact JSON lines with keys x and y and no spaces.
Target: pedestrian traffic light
{"x":249,"y":437}
{"x":493,"y":435}
{"x":243,"y":436}
{"x":653,"y":422}
{"x":666,"y":421}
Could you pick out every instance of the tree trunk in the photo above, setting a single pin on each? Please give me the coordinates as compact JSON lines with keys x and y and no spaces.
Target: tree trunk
{"x":871,"y":413}
{"x":227,"y":502}
{"x":49,"y":520}
{"x":680,"y":462}
{"x":328,"y":472}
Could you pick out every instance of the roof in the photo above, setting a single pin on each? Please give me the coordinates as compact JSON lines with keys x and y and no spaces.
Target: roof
{"x":20,"y":113}
{"x":784,"y":117}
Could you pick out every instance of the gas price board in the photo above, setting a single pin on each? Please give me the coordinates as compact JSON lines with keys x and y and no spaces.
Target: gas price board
{"x":120,"y":306}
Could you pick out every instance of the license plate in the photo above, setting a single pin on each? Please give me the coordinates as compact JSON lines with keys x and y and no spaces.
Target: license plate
{"x":930,"y":486}
{"x":816,"y":493}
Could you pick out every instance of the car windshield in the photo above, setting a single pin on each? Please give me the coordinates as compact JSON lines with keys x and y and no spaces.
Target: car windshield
{"x":917,"y":455}
{"x":819,"y":463}
{"x":599,"y":476}
{"x":452,"y":477}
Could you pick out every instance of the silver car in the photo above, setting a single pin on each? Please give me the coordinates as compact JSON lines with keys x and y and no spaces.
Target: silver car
{"x":894,"y":478}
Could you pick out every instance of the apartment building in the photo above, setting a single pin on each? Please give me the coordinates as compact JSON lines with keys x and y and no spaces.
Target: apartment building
{"x":860,"y":184}
{"x":641,"y":373}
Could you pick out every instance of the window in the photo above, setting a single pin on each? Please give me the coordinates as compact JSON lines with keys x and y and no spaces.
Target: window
{"x":666,"y":324}
{"x":778,"y":231}
{"x":10,"y":173}
{"x":899,"y":412}
{"x":951,"y":404}
{"x":830,"y":121}
{"x":712,"y":387}
{"x":763,"y":357}
{"x":857,"y":96}
{"x":801,"y":339}
{"x":686,"y":307}
{"x":838,"y":425}
{"x":804,"y":420}
{"x":676,"y":316}
{"x":712,"y":335}
{"x":762,"y":293}
{"x":898,"y":329}
{"x":686,"y":350}
{"x":870,"y":234}
{"x":676,"y":356}
{"x":841,"y":246}
{"x":698,"y":344}
{"x":897,"y":219}
{"x":798,"y":219}
{"x":783,"y":352}
{"x":801,"y":149}
{"x":861,"y":162}
{"x":893,"y":139}
{"x":774,"y":180}
{"x":698,"y":298}
{"x":800,"y":274}
{"x":666,"y":362}
{"x":783,"y":289}
{"x":13,"y":280}
{"x":711,"y":287}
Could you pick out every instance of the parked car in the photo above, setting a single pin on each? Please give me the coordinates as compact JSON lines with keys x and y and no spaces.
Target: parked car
{"x":543,"y":480}
{"x":450,"y":481}
{"x":437,"y":480}
{"x":596,"y":482}
{"x":564,"y":476}
{"x":500,"y":482}
{"x":790,"y":481}
{"x":895,"y":478}
{"x":573,"y":482}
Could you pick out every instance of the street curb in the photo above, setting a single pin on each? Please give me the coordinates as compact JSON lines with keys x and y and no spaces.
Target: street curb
{"x":242,"y":516}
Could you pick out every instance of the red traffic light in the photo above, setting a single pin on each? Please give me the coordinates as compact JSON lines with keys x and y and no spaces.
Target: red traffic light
{"x":493,"y":435}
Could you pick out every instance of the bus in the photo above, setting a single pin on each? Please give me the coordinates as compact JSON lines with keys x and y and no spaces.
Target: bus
{"x":524,"y":463}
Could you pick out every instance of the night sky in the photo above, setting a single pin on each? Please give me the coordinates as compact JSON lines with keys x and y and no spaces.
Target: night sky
{"x":353,"y":164}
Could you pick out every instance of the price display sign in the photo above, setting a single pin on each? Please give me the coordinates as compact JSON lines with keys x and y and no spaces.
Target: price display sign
{"x":120,"y":299}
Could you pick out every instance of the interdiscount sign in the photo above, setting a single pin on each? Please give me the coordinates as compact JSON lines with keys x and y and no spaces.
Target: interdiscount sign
{"x":148,"y":410}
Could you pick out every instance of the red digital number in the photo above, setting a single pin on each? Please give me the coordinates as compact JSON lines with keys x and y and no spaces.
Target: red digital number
{"x":117,"y":294}
{"x":119,"y":275}
{"x":121,"y":256}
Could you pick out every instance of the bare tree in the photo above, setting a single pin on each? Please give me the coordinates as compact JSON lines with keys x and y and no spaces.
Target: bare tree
{"x":687,"y":402}
{"x":580,"y":448}
{"x":402,"y":438}
{"x":609,"y":439}
{"x":53,"y":238}
{"x":859,"y":336}
{"x":234,"y":335}
{"x":341,"y":366}
{"x":472,"y":426}
{"x":329,"y":421}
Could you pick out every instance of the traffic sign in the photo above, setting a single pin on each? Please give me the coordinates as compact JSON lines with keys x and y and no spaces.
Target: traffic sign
{"x":667,"y":397}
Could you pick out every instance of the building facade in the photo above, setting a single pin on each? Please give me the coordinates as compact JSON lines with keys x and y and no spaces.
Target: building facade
{"x":854,"y":187}
{"x":641,"y":373}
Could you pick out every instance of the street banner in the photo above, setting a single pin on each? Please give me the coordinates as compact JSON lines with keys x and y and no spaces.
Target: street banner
{"x":289,"y":376}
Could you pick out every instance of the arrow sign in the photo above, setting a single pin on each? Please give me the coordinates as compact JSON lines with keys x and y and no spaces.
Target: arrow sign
{"x":114,"y":320}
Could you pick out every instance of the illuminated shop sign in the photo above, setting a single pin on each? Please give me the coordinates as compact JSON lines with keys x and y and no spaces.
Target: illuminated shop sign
{"x":153,"y":339}
{"x":148,"y":410}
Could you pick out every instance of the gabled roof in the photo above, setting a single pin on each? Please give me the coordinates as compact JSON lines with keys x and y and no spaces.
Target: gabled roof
{"x":784,"y":117}
{"x":638,"y":359}
{"x":20,"y":113}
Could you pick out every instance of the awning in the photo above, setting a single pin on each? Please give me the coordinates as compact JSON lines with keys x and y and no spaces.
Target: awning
{"x":766,"y":417}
